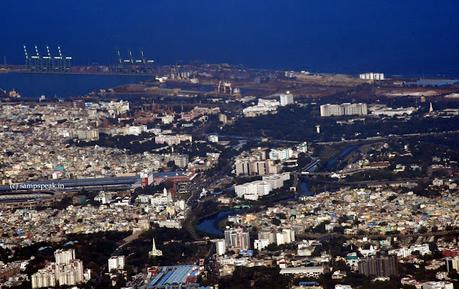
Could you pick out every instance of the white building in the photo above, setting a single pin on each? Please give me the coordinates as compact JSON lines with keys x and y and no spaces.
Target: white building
{"x":116,"y":263}
{"x":66,"y":271}
{"x":339,"y":286}
{"x":264,"y":106}
{"x":327,"y":110}
{"x":286,"y":98}
{"x":253,"y":190}
{"x":213,"y":138}
{"x":286,"y":236}
{"x":312,"y":271}
{"x":256,"y":189}
{"x":260,"y":244}
{"x":277,"y":180}
{"x":280,"y":154}
{"x":64,"y":256}
{"x":372,"y":76}
{"x":220,"y":247}
{"x":437,"y":285}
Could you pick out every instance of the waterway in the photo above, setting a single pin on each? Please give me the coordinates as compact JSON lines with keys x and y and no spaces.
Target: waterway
{"x":209,"y":225}
{"x":334,"y":163}
{"x":33,"y":85}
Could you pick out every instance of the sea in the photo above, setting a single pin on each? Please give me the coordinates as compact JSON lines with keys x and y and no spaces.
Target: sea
{"x":409,"y":37}
{"x":63,"y":86}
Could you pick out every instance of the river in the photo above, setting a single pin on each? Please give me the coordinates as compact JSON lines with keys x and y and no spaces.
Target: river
{"x":209,"y":225}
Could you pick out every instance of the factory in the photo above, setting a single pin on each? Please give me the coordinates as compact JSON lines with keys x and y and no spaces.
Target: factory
{"x":182,"y":276}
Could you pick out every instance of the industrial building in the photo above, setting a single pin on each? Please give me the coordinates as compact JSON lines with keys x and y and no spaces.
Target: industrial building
{"x":171,"y":277}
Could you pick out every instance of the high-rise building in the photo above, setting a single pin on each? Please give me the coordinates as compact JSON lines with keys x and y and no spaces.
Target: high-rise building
{"x":220,"y":247}
{"x":66,"y":271}
{"x":286,"y":98}
{"x":237,"y":239}
{"x":64,"y":256}
{"x":379,"y":266}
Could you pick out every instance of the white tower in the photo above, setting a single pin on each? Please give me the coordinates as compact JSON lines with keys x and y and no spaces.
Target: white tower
{"x":155,"y":252}
{"x":431,"y":110}
{"x":318,"y":129}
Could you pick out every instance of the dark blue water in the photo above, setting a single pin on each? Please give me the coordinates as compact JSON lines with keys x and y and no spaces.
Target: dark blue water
{"x":209,"y":225}
{"x":397,"y":37}
{"x":62,"y":85}
{"x":333,"y":163}
{"x":304,"y":189}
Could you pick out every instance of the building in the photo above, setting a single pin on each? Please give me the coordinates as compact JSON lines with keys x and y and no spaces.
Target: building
{"x":168,"y":277}
{"x":260,"y":244}
{"x":379,"y":266}
{"x":286,"y":98}
{"x":237,"y":239}
{"x":213,"y":138}
{"x":253,"y":167}
{"x":286,"y":236}
{"x":66,"y":271}
{"x":372,"y":76}
{"x":452,"y":263}
{"x":220,"y":247}
{"x":437,"y":285}
{"x":345,"y":109}
{"x":382,"y":110}
{"x":173,"y":139}
{"x":70,"y":274}
{"x":264,"y":106}
{"x":87,"y":135}
{"x":43,"y":279}
{"x":310,"y":271}
{"x":64,"y":256}
{"x":116,"y":263}
{"x":253,"y":190}
{"x":340,"y":286}
{"x":281,"y":154}
{"x":256,"y":189}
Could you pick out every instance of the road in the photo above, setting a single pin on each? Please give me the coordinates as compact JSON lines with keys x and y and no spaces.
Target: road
{"x":380,"y":138}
